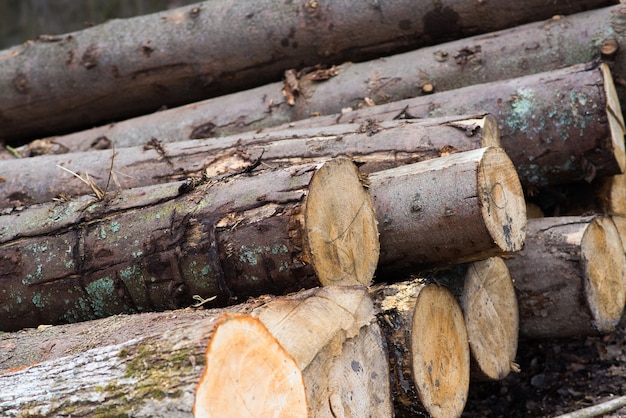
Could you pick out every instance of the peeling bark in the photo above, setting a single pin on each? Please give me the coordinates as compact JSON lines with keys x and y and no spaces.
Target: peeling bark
{"x":375,"y":145}
{"x":154,"y":248}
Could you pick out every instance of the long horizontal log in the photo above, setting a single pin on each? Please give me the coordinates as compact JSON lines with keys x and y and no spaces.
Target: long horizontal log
{"x":556,"y":127}
{"x":154,"y":248}
{"x":458,"y":208}
{"x":570,"y":277}
{"x":428,"y":349}
{"x":516,"y":52}
{"x":485,"y":292}
{"x":155,"y":369}
{"x":198,"y":51}
{"x":376,"y":145}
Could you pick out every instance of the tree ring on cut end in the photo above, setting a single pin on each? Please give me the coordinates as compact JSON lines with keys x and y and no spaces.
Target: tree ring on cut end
{"x":340,"y":225}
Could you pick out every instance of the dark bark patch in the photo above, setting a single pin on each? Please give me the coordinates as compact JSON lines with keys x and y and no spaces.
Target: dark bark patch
{"x":203,"y":131}
{"x":441,"y":23}
{"x":146,"y":49}
{"x":405,"y":24}
{"x":21,"y":83}
{"x":90,"y":58}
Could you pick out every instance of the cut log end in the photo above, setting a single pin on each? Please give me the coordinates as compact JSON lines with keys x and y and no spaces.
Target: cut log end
{"x":616,"y":119}
{"x":340,"y":223}
{"x":491,"y":316}
{"x":440,"y":352}
{"x":248,"y":373}
{"x":605,"y":273}
{"x":502,"y":198}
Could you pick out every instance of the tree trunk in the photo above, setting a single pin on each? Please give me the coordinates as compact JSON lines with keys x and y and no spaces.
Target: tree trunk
{"x":516,"y":52}
{"x":462,"y":207}
{"x":158,"y":373}
{"x":556,"y":127}
{"x":428,"y":350}
{"x":154,"y":248}
{"x":485,"y":292}
{"x":570,"y":277}
{"x":378,"y":146}
{"x":202,"y":50}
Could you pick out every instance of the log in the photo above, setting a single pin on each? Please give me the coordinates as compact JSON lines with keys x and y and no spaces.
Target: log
{"x":516,"y":52}
{"x":377,"y":146}
{"x":157,"y":373}
{"x":458,"y":208}
{"x":154,"y":248}
{"x":486,"y":295}
{"x":570,"y":278}
{"x":585,"y":141}
{"x":199,"y":51}
{"x":428,"y":349}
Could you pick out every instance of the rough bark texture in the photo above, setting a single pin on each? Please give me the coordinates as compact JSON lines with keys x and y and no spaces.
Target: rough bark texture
{"x":462,"y":207}
{"x":570,"y":277}
{"x":487,"y":298}
{"x":377,"y":145}
{"x":516,"y":52}
{"x":156,"y":373}
{"x":428,"y":350}
{"x":556,"y":127}
{"x":211,"y":48}
{"x":154,"y":248}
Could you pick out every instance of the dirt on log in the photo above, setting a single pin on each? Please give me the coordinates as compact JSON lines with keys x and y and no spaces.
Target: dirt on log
{"x":374,"y":145}
{"x":463,"y":207}
{"x":158,"y":247}
{"x":151,"y":363}
{"x":570,"y":277}
{"x":198,"y":51}
{"x":520,"y":51}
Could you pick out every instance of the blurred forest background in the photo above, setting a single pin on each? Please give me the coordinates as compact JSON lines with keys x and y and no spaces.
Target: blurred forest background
{"x":22,"y":20}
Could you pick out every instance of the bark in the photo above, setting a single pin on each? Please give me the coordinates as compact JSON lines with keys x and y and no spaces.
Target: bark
{"x":556,"y":127}
{"x":202,"y":50}
{"x":570,"y":277}
{"x":516,"y":52}
{"x":462,"y":207}
{"x":153,"y":248}
{"x":157,"y":374}
{"x":428,"y":349}
{"x":486,"y":295}
{"x":378,"y":146}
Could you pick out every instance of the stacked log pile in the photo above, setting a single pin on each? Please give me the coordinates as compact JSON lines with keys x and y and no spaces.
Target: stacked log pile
{"x":353,"y":240}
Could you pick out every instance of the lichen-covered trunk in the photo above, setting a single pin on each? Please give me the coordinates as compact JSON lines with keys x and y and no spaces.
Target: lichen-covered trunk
{"x":157,"y":369}
{"x":557,"y":127}
{"x":375,"y":145}
{"x":516,"y":52}
{"x":158,"y":247}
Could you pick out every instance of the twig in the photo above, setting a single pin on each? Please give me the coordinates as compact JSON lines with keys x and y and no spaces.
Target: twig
{"x":597,"y":410}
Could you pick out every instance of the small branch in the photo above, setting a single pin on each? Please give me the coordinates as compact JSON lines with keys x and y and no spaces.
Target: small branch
{"x":597,"y":410}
